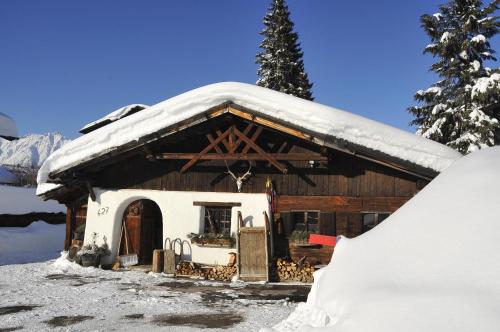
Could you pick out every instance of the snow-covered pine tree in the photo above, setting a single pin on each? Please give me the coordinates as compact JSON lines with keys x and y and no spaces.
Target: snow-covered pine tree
{"x":281,"y":65}
{"x":459,"y":110}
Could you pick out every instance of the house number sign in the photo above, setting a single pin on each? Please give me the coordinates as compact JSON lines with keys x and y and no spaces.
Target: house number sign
{"x":102,"y":211}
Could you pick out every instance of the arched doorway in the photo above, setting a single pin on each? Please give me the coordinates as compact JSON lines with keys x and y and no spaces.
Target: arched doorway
{"x":143,"y":221}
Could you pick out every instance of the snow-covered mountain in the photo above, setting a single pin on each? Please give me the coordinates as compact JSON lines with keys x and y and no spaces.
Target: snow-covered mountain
{"x":31,"y":150}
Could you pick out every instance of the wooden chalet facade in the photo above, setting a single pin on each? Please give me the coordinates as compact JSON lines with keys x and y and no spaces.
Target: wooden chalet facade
{"x":173,"y":184}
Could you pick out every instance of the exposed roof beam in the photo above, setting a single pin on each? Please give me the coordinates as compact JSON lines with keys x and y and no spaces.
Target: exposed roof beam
{"x":205,"y":150}
{"x":242,"y":156}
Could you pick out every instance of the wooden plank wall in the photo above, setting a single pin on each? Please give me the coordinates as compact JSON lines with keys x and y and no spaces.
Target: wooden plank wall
{"x":342,"y":175}
{"x":339,"y":179}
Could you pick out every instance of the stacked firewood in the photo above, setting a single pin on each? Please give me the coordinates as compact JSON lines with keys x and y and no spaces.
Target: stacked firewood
{"x":218,"y":272}
{"x":189,"y":269}
{"x":287,"y":270}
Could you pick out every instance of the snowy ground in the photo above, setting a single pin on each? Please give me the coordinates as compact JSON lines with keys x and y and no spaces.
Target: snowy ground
{"x":54,"y":296}
{"x":37,"y":242}
{"x":21,"y":200}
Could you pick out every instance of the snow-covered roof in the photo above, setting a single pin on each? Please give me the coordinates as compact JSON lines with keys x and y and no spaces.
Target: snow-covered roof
{"x":6,"y":176}
{"x":7,"y":126}
{"x":299,"y":113}
{"x":113,"y":116}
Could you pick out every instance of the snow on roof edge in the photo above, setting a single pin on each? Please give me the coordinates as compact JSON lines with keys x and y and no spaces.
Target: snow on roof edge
{"x":297,"y":112}
{"x":113,"y":116}
{"x":44,"y":188}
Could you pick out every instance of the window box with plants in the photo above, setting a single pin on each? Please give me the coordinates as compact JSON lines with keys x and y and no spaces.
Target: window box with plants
{"x":301,"y":239}
{"x":212,"y":239}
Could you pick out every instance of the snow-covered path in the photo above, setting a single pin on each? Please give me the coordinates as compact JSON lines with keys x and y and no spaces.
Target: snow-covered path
{"x":36,"y":296}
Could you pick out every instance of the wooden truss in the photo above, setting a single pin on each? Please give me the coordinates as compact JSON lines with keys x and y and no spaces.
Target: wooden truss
{"x":226,"y":146}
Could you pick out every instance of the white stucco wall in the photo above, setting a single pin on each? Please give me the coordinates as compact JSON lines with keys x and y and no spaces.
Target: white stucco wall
{"x":179,"y":215}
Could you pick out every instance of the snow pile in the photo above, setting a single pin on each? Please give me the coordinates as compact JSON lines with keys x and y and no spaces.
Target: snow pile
{"x":19,"y":200}
{"x":116,"y":115}
{"x":297,"y":112}
{"x":7,"y":126}
{"x":7,"y":176}
{"x":431,"y":266}
{"x":62,"y":264}
{"x":30,"y":151}
{"x":37,"y":242}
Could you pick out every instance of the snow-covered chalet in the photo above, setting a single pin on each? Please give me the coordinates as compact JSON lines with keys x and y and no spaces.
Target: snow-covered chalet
{"x":232,"y":158}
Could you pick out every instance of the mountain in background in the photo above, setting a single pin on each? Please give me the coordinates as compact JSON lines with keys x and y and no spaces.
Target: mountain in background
{"x":30,"y":151}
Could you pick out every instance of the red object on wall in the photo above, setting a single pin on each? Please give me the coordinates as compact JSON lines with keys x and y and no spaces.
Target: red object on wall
{"x":323,"y":239}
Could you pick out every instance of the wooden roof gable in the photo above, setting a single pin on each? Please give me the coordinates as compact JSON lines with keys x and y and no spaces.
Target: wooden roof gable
{"x":234,"y":144}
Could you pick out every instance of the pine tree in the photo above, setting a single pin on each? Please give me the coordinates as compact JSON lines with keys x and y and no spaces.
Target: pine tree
{"x":281,"y":65}
{"x":459,"y":110}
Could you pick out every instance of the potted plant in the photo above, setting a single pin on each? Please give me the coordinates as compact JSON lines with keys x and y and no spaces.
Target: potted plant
{"x":299,"y":237}
{"x":90,"y":254}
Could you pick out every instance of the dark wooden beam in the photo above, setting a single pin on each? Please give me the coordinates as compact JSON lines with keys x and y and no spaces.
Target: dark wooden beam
{"x":211,"y":140}
{"x":239,"y":140}
{"x":231,"y":138}
{"x":224,"y":141}
{"x":241,"y":156}
{"x":90,"y":190}
{"x":253,"y":138}
{"x":280,"y":150}
{"x":205,"y":150}
{"x":260,"y":151}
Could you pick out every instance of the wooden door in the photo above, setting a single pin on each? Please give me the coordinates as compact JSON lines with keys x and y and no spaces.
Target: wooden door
{"x":132,"y":219}
{"x":253,"y":262}
{"x":144,"y":229}
{"x":151,"y":231}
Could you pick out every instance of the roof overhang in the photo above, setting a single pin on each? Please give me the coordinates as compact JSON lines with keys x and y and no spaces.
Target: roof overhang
{"x":320,"y":124}
{"x":261,"y":119}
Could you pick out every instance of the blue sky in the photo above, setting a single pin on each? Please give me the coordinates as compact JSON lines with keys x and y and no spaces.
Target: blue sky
{"x":66,"y":63}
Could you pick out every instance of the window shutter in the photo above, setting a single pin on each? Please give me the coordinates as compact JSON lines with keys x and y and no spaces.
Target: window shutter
{"x":349,"y":224}
{"x":341,"y":223}
{"x":355,"y":227}
{"x":327,"y":223}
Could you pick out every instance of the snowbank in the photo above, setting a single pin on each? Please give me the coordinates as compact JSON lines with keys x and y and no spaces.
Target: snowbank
{"x":19,"y":200}
{"x":31,"y":150}
{"x":431,"y":266}
{"x":297,"y":112}
{"x":37,"y":242}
